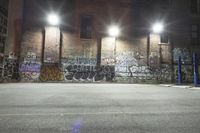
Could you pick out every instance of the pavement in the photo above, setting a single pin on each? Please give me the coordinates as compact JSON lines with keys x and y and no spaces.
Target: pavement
{"x":98,"y":108}
{"x":181,"y":86}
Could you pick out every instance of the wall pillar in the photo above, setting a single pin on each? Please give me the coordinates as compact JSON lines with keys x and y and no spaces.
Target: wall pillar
{"x":99,"y":46}
{"x":52,"y":45}
{"x":15,"y":17}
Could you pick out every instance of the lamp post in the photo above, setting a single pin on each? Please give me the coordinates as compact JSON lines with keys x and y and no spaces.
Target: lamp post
{"x":114,"y":31}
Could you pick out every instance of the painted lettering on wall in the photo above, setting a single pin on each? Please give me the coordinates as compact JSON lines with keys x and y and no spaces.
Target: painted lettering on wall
{"x":30,"y":67}
{"x":51,"y":72}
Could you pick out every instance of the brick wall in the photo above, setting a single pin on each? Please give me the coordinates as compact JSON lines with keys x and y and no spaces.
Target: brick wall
{"x":15,"y":17}
{"x":79,"y":55}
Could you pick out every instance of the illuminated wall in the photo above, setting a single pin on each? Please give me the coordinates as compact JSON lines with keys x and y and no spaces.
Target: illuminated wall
{"x":15,"y":17}
{"x":61,"y":54}
{"x":52,"y":45}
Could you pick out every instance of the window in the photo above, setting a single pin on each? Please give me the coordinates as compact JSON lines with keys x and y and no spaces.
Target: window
{"x":164,"y":3}
{"x":195,"y":35}
{"x":195,"y":6}
{"x":86,"y":27}
{"x":164,"y":38}
{"x":194,"y":31}
{"x":3,"y":28}
{"x":2,"y":43}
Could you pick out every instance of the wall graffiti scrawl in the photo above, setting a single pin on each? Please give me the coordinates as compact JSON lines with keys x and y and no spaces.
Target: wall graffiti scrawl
{"x":133,"y":65}
{"x":10,"y":68}
{"x":82,"y":69}
{"x":126,"y":61}
{"x":52,"y":45}
{"x":89,"y":73}
{"x":183,"y":53}
{"x":30,"y":71}
{"x":30,"y":67}
{"x":51,"y":72}
{"x":85,"y":70}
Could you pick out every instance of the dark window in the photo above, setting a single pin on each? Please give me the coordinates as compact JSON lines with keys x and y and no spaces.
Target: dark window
{"x":3,"y":24}
{"x":86,"y":27}
{"x":195,"y":6}
{"x":163,"y":3}
{"x":4,"y":30}
{"x":1,"y":29}
{"x":2,"y":43}
{"x":195,"y":34}
{"x":166,"y":2}
{"x":164,"y":38}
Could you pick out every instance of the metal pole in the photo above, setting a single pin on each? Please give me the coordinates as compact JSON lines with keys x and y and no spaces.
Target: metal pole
{"x":196,"y":72}
{"x":179,"y":71}
{"x":99,"y":47}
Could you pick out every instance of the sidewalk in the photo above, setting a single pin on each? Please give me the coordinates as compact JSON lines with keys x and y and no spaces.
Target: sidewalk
{"x":181,"y":86}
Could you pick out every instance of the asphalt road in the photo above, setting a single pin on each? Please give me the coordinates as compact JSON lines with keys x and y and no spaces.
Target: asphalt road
{"x":98,"y":108}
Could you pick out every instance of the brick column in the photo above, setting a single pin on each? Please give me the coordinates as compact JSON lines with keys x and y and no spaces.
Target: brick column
{"x":52,"y":45}
{"x":15,"y":17}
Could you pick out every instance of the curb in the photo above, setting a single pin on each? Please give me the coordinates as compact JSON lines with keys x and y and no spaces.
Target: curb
{"x":166,"y":85}
{"x":194,"y":88}
{"x":178,"y":86}
{"x":182,"y":86}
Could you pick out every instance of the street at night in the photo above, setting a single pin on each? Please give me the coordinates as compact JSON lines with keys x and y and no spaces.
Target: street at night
{"x":98,"y":108}
{"x":99,"y":66}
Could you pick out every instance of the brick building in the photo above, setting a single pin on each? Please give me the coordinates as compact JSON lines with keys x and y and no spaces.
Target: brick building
{"x":3,"y":26}
{"x":80,"y":49}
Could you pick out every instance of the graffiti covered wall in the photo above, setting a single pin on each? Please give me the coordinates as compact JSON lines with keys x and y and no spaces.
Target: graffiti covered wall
{"x":85,"y":70}
{"x":51,"y":72}
{"x":52,"y":45}
{"x":9,"y":69}
{"x":187,"y":67}
{"x":30,"y":67}
{"x":183,"y":53}
{"x":132,"y":64}
{"x":120,"y":60}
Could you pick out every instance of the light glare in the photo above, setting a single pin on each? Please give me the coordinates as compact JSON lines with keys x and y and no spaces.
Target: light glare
{"x":53,"y":19}
{"x":158,"y":28}
{"x":114,"y":31}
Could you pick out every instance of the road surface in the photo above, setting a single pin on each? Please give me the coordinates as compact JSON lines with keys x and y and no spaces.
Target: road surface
{"x":98,"y":108}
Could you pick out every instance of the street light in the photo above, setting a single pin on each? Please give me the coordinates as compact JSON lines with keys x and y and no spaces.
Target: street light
{"x":53,"y":19}
{"x":52,"y":36}
{"x":158,"y":27}
{"x":114,"y":31}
